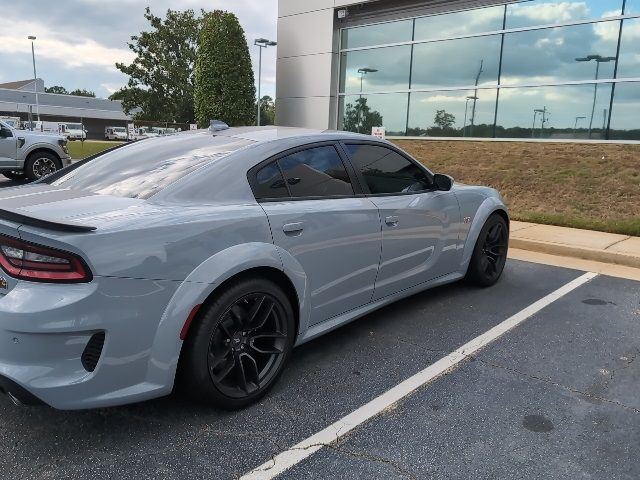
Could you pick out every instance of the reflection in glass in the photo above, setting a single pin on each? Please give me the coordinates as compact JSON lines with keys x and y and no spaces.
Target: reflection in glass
{"x":360,"y":113}
{"x":568,"y":111}
{"x":546,"y":12}
{"x":457,"y":24}
{"x":629,"y":65}
{"x":316,"y":172}
{"x":550,"y":55}
{"x":378,"y":34}
{"x":452,"y":114}
{"x":380,"y":69}
{"x":463,"y":62}
{"x":625,"y":119}
{"x":632,"y":7}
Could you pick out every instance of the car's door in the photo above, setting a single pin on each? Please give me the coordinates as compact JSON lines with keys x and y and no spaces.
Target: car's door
{"x":315,"y":215}
{"x":420,"y":225}
{"x":8,"y":147}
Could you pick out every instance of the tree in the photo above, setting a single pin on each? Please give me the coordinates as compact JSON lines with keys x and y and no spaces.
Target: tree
{"x":444,"y":120}
{"x":81,"y":92}
{"x":267,"y":111}
{"x":57,"y":89}
{"x":161,"y":76}
{"x":360,"y":118}
{"x":224,"y":82}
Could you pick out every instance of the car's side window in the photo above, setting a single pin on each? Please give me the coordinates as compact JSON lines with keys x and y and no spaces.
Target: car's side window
{"x":316,"y":172}
{"x":269,"y":183}
{"x":386,"y":171}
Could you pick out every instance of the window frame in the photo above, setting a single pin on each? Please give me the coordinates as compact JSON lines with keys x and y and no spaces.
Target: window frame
{"x":353,"y":178}
{"x":363,"y":183}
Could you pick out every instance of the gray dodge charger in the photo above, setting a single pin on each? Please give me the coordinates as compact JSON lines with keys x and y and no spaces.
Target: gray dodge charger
{"x":203,"y":258}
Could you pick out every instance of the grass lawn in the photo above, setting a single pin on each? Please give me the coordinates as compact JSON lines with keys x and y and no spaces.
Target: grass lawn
{"x":79,"y":150}
{"x":587,"y":186}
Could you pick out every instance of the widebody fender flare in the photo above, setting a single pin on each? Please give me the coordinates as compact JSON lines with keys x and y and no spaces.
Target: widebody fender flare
{"x":487,"y":208}
{"x":202,"y":282}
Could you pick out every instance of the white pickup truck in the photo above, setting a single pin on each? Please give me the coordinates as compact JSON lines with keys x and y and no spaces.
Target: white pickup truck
{"x":31,"y":155}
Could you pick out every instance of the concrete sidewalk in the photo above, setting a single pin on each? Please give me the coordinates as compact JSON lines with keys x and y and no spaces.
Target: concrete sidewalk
{"x":572,"y":242}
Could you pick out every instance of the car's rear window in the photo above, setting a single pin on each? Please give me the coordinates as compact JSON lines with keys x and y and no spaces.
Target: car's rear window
{"x":144,"y":168}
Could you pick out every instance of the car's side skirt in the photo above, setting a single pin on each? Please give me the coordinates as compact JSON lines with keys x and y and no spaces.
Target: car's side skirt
{"x":335,"y":322}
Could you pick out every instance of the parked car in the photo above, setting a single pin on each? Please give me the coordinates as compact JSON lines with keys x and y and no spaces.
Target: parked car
{"x":116,"y":133}
{"x":30,"y":155}
{"x":73,"y":131}
{"x":13,"y":122}
{"x":240,"y":244}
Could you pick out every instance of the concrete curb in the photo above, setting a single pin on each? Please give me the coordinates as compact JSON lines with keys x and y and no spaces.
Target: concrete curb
{"x":597,"y":255}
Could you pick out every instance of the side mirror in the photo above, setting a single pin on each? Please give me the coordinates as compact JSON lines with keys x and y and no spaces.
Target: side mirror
{"x":442,"y":182}
{"x":5,"y":133}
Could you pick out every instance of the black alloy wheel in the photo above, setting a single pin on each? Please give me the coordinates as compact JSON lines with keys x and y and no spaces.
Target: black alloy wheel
{"x":239,"y":346}
{"x":490,"y":253}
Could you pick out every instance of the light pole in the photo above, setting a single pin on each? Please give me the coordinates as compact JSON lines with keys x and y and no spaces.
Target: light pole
{"x":466,"y":110}
{"x":35,"y":76}
{"x":598,"y":59}
{"x":575,"y":125}
{"x":544,"y":112}
{"x":363,"y":71}
{"x":261,"y":43}
{"x":475,"y":99}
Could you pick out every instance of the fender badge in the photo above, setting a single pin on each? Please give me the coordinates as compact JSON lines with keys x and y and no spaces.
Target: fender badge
{"x":3,"y":283}
{"x":467,"y":220}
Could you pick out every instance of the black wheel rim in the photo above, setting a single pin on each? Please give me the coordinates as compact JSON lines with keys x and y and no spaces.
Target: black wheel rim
{"x":248,"y":345}
{"x":494,"y":251}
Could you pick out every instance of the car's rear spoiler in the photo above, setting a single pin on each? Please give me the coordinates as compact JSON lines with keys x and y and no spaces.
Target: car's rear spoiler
{"x":15,"y":215}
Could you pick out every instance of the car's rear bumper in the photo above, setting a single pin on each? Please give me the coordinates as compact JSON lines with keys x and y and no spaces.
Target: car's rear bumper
{"x":46,"y":328}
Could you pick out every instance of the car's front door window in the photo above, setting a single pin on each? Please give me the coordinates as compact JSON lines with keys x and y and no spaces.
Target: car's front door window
{"x":386,"y":171}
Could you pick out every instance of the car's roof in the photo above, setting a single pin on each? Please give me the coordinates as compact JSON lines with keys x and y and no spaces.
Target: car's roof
{"x":272,"y":133}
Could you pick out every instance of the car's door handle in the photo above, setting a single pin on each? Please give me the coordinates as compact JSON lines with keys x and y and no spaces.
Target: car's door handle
{"x":392,"y":220}
{"x":293,"y":228}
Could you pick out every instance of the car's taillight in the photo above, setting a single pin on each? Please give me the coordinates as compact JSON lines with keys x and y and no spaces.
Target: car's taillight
{"x":36,"y":263}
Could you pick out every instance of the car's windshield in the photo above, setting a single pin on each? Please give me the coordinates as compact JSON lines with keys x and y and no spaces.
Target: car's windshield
{"x":140,"y":170}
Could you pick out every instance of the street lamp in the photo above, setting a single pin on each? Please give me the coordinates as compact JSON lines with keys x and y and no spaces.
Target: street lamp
{"x":35,"y":76}
{"x":575,"y":125}
{"x":466,"y":109}
{"x":598,"y":59}
{"x":363,"y":71}
{"x":544,"y":113}
{"x":261,"y":43}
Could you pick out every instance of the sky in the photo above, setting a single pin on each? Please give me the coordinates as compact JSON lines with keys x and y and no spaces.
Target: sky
{"x":79,"y":41}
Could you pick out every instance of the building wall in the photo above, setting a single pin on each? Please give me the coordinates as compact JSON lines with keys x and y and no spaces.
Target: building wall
{"x":423,"y":58}
{"x":305,"y":92}
{"x":307,"y":62}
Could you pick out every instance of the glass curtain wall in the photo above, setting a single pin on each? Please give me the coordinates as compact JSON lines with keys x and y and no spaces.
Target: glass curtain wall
{"x":532,"y":69}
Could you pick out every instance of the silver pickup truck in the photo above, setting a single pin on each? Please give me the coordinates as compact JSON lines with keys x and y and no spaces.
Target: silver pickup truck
{"x":30,"y":155}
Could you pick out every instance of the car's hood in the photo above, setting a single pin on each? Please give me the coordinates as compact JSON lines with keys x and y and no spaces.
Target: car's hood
{"x":72,"y":207}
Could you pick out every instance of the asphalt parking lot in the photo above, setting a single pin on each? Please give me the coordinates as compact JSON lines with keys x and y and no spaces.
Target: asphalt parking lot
{"x":558,"y":396}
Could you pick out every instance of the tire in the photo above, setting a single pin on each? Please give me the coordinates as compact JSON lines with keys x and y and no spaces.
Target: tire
{"x":490,"y":253}
{"x":233,"y":356}
{"x":16,"y":175}
{"x":40,"y":164}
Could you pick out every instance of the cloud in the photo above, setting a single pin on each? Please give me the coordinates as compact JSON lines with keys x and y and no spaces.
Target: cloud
{"x":84,"y":39}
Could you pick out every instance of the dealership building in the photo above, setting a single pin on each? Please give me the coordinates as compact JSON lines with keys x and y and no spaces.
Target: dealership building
{"x":536,"y":69}
{"x":18,"y":99}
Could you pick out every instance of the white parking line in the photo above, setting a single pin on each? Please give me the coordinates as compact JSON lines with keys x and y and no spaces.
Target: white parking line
{"x":287,"y":459}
